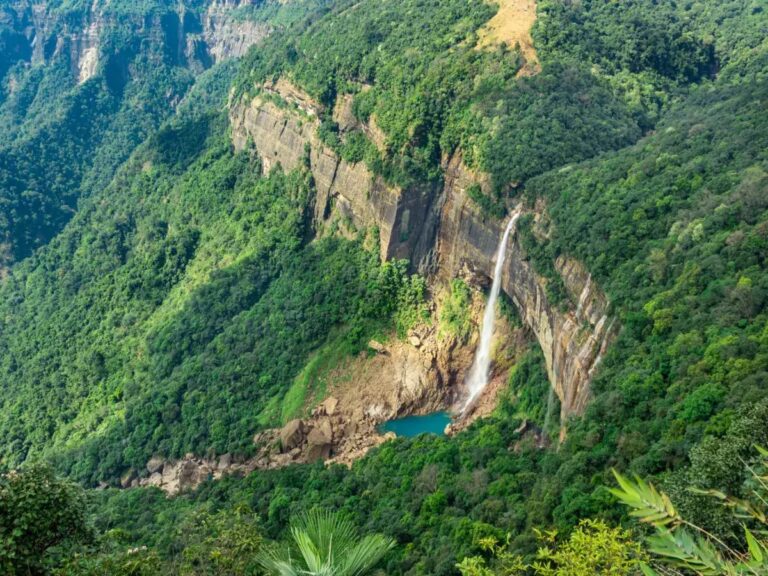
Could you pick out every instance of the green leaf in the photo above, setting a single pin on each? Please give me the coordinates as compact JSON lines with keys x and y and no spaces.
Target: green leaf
{"x":755,"y":549}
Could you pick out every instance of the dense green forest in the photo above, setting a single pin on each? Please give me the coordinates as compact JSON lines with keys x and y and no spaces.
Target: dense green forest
{"x":63,"y":137}
{"x":200,"y":261}
{"x":167,"y":292}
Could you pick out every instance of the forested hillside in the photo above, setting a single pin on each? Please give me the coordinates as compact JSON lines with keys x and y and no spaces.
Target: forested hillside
{"x":81,"y":86}
{"x":679,"y":238}
{"x":164,"y":293}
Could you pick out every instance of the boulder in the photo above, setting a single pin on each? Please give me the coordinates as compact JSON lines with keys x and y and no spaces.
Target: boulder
{"x":319,"y":443}
{"x":326,"y":428}
{"x":156,"y":479}
{"x":225,"y":461}
{"x":170,"y":477}
{"x":155,"y":464}
{"x":352,"y":427}
{"x":126,"y":480}
{"x":330,"y":404}
{"x":377,"y":346}
{"x":190,"y":476}
{"x":415,"y":341}
{"x":292,"y":435}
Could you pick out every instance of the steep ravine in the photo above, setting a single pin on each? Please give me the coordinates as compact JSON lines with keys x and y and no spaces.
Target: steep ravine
{"x":418,"y":375}
{"x":441,"y":231}
{"x":445,"y":236}
{"x":194,"y":39}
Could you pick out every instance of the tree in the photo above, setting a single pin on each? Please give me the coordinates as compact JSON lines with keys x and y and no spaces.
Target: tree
{"x":680,"y":546}
{"x":115,"y":560}
{"x":325,"y":544}
{"x":38,"y":513}
{"x":225,"y":543}
{"x":594,"y":548}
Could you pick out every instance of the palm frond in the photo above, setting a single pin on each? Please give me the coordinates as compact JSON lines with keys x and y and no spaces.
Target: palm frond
{"x":277,"y":562}
{"x":689,"y":552}
{"x":648,"y":504}
{"x":329,"y":531}
{"x":315,"y":558}
{"x":757,"y":551}
{"x":325,"y":544}
{"x":743,"y":509}
{"x":366,"y":554}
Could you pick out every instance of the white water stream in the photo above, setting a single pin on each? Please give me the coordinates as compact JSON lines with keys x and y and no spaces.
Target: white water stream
{"x":477,"y":379}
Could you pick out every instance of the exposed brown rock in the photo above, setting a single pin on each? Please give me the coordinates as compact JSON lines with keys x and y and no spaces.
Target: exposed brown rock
{"x":225,"y":461}
{"x":126,"y":480}
{"x":155,"y":464}
{"x":292,"y":435}
{"x":156,"y":479}
{"x":319,"y":443}
{"x":329,"y":405}
{"x":377,"y":347}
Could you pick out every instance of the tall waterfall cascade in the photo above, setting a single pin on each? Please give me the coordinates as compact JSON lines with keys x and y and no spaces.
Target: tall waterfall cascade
{"x":477,"y":379}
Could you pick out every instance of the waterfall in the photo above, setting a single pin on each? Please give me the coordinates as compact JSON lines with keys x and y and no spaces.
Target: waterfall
{"x":477,"y":379}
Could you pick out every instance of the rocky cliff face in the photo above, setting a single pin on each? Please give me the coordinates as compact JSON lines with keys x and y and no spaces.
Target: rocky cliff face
{"x":573,"y":339}
{"x":225,"y":36}
{"x":282,"y":124}
{"x":35,"y":34}
{"x":441,"y":231}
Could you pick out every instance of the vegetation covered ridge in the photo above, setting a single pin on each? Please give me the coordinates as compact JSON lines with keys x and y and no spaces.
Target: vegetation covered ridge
{"x":177,"y":306}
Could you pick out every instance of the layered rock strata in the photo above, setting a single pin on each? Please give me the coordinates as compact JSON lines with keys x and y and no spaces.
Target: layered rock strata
{"x":282,"y":124}
{"x":197,"y":39}
{"x":442,"y":232}
{"x":573,"y":338}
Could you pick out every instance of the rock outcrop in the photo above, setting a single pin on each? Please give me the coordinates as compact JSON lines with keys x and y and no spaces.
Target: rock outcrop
{"x":225,"y":36}
{"x":282,"y":124}
{"x":292,"y":435}
{"x":37,"y":34}
{"x":442,"y":232}
{"x":573,"y":339}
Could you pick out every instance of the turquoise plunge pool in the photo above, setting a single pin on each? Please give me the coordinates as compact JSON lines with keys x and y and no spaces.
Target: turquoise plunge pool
{"x":414,"y":425}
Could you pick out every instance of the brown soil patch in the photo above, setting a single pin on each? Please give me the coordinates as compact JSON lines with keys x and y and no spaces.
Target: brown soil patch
{"x":512,"y":25}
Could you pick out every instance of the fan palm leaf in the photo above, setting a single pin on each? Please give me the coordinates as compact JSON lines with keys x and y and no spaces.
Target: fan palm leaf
{"x":324,"y":544}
